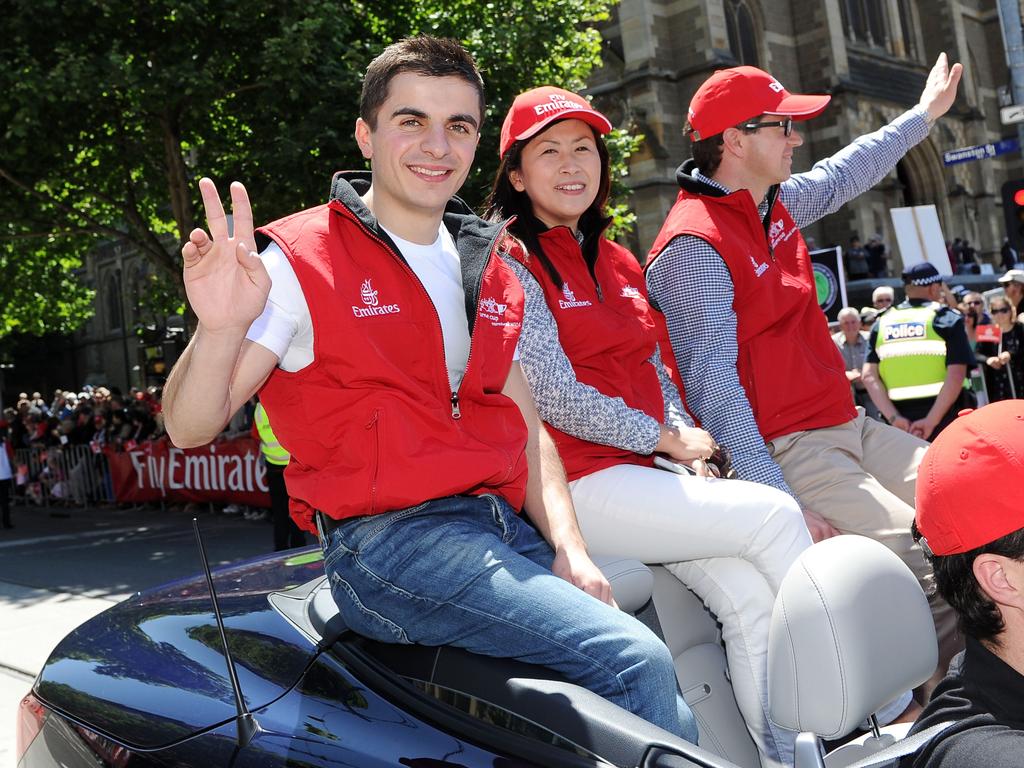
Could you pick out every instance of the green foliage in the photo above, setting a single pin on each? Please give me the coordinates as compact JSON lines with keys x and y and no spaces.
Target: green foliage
{"x":39,"y":288}
{"x":113,"y":109}
{"x":620,"y":146}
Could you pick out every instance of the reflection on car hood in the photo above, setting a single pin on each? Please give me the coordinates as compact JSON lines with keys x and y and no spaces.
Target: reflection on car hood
{"x":151,"y":670}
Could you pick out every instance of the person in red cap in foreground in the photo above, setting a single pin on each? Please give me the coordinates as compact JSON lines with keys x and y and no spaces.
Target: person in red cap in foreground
{"x":732,"y":274}
{"x":971,"y":527}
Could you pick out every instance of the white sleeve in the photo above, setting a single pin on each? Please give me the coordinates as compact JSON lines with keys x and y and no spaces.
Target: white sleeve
{"x":285,"y":327}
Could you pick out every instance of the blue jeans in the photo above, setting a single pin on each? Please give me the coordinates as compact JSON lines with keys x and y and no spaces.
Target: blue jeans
{"x":466,"y":571}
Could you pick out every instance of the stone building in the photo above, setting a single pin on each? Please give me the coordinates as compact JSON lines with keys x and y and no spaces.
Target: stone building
{"x":121,"y":345}
{"x":873,"y":56}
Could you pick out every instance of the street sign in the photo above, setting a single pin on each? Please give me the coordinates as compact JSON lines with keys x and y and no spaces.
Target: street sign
{"x":1012,"y":114}
{"x":980,"y":152}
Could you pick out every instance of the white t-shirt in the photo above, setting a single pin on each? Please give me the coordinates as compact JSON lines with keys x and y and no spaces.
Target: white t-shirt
{"x":286,"y":329}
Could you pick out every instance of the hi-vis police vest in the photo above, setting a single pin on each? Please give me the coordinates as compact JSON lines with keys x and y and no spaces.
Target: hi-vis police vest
{"x":270,"y":447}
{"x":911,"y":353}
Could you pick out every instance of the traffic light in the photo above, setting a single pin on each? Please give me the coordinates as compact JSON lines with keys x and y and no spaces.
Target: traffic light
{"x":1013,"y":211}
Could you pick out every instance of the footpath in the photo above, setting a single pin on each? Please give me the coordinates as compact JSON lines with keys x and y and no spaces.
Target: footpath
{"x":60,"y":567}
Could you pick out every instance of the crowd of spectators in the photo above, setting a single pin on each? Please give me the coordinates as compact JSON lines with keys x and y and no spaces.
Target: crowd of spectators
{"x":42,"y":436}
{"x":94,"y":416}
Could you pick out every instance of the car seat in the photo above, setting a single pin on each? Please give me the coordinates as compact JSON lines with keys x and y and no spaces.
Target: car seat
{"x":851,"y":630}
{"x":694,"y":639}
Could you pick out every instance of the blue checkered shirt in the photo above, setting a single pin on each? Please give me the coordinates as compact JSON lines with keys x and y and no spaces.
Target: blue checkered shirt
{"x":691,"y":284}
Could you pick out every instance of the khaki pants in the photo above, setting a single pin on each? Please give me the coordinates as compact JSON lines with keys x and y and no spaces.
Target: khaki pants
{"x":860,"y":476}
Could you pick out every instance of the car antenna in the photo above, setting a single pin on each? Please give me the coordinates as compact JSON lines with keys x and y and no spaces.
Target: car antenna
{"x":247,"y":725}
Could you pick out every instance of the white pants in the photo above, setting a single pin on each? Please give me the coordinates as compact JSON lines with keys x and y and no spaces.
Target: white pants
{"x":730,"y":541}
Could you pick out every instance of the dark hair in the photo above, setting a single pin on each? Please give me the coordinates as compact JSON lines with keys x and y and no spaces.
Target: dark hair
{"x":421,"y":55}
{"x":955,"y":582}
{"x":506,"y":201}
{"x":707,"y":153}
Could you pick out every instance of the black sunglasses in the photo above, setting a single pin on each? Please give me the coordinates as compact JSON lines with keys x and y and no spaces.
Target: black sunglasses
{"x":786,"y":126}
{"x":1003,"y":311}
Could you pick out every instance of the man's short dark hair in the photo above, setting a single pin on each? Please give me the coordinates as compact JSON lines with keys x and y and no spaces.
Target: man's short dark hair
{"x":955,"y":582}
{"x":706,"y":153}
{"x":421,"y":55}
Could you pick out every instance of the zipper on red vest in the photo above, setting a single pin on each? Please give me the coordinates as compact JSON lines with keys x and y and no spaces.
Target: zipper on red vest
{"x":773,"y":197}
{"x":492,"y":255}
{"x":417,"y":281}
{"x":456,"y":410}
{"x":373,"y":428}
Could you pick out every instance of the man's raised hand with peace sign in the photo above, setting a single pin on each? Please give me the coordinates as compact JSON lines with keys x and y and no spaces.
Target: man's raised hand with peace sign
{"x":225,"y":281}
{"x":227,"y":287}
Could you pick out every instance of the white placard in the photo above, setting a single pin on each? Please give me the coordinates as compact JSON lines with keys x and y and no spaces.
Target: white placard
{"x":920,"y":237}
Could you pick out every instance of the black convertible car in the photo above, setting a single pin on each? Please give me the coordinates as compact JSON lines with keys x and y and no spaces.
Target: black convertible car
{"x":147,"y":683}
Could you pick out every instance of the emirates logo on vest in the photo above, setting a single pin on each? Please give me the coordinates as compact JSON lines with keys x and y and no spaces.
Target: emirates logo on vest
{"x":629,"y":292}
{"x":759,"y":269}
{"x":373,"y":306}
{"x":570,"y":299}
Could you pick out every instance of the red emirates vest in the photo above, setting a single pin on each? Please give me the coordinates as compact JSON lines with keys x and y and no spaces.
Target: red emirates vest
{"x":371,"y":424}
{"x":790,"y":368}
{"x":607,"y":330}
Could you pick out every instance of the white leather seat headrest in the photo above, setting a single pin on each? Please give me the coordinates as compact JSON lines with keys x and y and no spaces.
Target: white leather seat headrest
{"x":851,"y":630}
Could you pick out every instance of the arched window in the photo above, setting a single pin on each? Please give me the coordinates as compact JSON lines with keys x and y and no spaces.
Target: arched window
{"x":739,"y":22}
{"x":907,"y":24}
{"x":135,"y":290}
{"x":112,"y":298}
{"x":866,"y":22}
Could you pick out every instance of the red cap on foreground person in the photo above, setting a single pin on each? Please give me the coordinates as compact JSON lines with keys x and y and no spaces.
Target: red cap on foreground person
{"x":536,"y":109}
{"x":731,"y":96}
{"x":965,"y":483}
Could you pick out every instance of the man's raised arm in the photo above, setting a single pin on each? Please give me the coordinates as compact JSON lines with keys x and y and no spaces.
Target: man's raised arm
{"x":227,"y":287}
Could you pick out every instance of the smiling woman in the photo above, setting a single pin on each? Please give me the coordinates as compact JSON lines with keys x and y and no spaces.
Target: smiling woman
{"x":562,"y":168}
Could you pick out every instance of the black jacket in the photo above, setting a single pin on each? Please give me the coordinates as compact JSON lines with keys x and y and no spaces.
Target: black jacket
{"x":986,"y":697}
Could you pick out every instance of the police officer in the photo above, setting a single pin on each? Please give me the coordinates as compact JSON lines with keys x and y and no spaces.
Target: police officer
{"x":917,"y":359}
{"x":286,"y":534}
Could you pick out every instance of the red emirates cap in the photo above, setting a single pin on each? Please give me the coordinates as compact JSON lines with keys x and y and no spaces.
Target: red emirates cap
{"x":536,"y":109}
{"x":964,"y":496}
{"x":731,"y":96}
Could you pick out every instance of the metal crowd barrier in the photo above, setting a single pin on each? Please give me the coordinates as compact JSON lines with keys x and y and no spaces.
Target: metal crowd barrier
{"x":68,"y":474}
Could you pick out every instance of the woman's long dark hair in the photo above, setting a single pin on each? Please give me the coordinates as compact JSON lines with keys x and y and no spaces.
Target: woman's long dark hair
{"x":506,"y":201}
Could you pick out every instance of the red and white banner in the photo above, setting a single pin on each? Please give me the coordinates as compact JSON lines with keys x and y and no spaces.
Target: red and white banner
{"x":225,"y":471}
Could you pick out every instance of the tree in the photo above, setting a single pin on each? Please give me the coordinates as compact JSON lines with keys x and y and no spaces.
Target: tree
{"x":113,"y":110}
